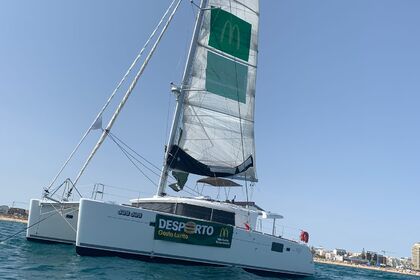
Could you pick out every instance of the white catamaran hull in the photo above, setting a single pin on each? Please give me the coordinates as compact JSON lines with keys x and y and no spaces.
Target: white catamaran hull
{"x":104,"y":229}
{"x":52,"y":222}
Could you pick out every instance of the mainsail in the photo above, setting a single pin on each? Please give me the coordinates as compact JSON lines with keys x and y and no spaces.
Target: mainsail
{"x":215,"y":132}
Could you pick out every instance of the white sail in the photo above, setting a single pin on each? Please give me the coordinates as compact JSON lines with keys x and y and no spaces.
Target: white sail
{"x":215,"y":135}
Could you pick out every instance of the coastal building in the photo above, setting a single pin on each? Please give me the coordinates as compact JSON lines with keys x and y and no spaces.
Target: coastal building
{"x":393,"y":262}
{"x":415,"y":256}
{"x":358,"y":260}
{"x":320,"y":252}
{"x":339,"y":252}
{"x":406,"y":263}
{"x":17,"y":212}
{"x":330,"y":256}
{"x":372,"y":256}
{"x":339,"y":258}
{"x":381,"y":260}
{"x":4,"y":209}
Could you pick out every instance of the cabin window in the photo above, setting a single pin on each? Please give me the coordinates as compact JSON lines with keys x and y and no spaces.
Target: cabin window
{"x":193,"y":211}
{"x":277,"y":247}
{"x":160,"y":207}
{"x":223,"y":217}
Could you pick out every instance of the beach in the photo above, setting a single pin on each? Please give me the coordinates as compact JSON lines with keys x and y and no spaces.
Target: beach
{"x":11,"y":218}
{"x":383,"y":269}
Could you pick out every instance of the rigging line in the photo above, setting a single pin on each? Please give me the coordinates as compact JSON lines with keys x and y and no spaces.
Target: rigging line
{"x":68,"y":180}
{"x":117,"y":195}
{"x":131,"y":160}
{"x":190,"y":193}
{"x":121,"y":188}
{"x":137,"y":160}
{"x":170,"y":176}
{"x":57,"y":188}
{"x":64,"y":217}
{"x":52,"y":211}
{"x":143,"y":158}
{"x":240,"y":122}
{"x":127,"y":94}
{"x":26,"y":228}
{"x":111,"y":96}
{"x":142,"y":164}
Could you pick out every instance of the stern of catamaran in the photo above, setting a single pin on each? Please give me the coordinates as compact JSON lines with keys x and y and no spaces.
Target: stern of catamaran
{"x":52,"y":222}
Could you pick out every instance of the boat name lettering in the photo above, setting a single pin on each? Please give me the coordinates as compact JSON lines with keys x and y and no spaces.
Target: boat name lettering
{"x":128,"y":213}
{"x":192,"y":231}
{"x":189,"y":227}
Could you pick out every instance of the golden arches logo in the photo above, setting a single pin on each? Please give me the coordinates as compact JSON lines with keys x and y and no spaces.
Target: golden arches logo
{"x":233,"y":30}
{"x":190,"y":227}
{"x":224,"y":232}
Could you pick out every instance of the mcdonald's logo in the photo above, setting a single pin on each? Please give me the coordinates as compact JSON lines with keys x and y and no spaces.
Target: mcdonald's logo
{"x":233,"y":30}
{"x":230,"y":34}
{"x":224,"y":232}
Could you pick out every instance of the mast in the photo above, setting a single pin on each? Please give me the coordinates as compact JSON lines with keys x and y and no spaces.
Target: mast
{"x":180,"y":99}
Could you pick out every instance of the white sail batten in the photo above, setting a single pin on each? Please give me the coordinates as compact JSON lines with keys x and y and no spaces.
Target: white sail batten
{"x":216,"y":130}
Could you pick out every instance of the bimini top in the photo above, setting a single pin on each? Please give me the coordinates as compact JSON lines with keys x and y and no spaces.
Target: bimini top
{"x":218,"y":182}
{"x":270,"y":215}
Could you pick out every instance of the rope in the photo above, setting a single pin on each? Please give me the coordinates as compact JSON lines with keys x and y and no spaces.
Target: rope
{"x":131,"y":160}
{"x":240,"y":125}
{"x":143,"y":158}
{"x":26,"y":228}
{"x":62,"y":215}
{"x":111,"y":96}
{"x":127,"y":94}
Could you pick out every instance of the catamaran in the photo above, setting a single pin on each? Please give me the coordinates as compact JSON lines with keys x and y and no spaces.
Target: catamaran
{"x":212,"y":137}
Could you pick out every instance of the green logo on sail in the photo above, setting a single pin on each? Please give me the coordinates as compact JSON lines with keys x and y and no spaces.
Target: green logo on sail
{"x":226,"y":77}
{"x":230,"y":34}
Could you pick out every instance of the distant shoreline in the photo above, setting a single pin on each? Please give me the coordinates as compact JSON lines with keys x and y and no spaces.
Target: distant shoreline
{"x":383,"y":269}
{"x":13,"y":219}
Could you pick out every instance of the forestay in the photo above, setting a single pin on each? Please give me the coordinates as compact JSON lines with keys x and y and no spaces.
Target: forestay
{"x":215,"y":136}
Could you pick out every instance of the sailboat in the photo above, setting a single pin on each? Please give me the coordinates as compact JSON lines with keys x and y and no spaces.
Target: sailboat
{"x":212,"y":137}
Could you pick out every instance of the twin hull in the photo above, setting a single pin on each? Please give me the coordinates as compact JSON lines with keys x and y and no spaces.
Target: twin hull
{"x":52,"y":222}
{"x":103,"y":229}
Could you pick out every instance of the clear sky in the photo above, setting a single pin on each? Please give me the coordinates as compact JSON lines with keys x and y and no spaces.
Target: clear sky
{"x":337,"y":107}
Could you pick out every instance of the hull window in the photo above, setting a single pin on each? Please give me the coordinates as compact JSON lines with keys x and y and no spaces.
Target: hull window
{"x":160,"y":207}
{"x":193,"y":211}
{"x":223,"y":217}
{"x":277,"y":247}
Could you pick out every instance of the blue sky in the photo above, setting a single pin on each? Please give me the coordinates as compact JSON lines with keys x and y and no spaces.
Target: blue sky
{"x":337,"y":119}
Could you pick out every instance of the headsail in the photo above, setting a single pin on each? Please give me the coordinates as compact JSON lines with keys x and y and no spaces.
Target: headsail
{"x":215,"y":135}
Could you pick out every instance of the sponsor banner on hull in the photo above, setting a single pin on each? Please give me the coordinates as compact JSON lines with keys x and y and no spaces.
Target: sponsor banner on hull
{"x":191,"y":231}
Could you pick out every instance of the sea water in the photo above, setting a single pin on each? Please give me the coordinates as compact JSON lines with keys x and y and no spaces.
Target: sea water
{"x":22,"y":259}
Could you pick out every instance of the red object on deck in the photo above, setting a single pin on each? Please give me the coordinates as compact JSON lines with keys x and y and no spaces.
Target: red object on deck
{"x":304,"y":236}
{"x":247,"y":227}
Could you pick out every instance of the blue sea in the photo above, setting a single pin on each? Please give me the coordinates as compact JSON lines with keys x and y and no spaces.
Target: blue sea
{"x":21,"y":259}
